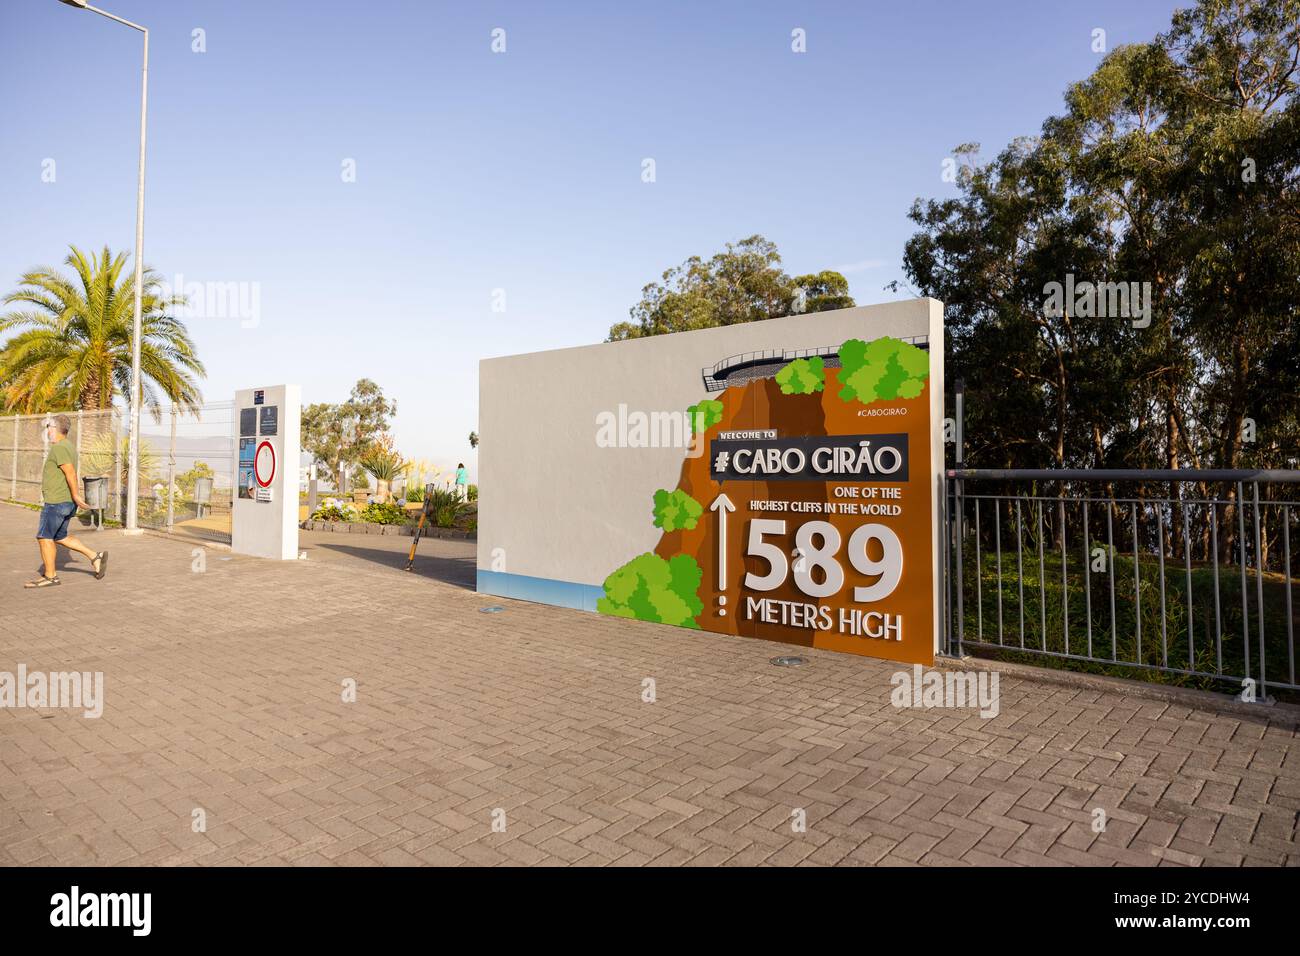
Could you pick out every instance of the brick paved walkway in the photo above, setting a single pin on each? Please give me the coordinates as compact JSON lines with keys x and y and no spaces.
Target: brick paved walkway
{"x":224,"y":694}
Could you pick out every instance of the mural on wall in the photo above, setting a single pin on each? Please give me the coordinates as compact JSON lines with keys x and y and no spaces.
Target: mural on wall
{"x":802,"y":512}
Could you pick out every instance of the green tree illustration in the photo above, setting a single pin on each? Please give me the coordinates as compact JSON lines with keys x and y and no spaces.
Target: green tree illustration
{"x":883,"y":368}
{"x":704,"y":415}
{"x":676,"y":510}
{"x":802,"y":376}
{"x":648,"y":588}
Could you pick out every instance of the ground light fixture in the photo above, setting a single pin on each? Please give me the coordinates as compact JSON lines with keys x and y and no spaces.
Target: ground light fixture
{"x":788,"y":661}
{"x":133,"y":450}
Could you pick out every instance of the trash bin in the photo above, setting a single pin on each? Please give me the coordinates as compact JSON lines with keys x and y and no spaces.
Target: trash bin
{"x":202,"y":491}
{"x":202,"y":494}
{"x":96,"y":495}
{"x":96,"y":492}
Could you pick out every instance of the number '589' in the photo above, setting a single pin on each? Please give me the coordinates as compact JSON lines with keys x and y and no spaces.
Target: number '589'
{"x":889,"y":567}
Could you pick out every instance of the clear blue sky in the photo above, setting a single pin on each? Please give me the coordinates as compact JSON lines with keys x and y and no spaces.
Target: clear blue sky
{"x":520,"y":171}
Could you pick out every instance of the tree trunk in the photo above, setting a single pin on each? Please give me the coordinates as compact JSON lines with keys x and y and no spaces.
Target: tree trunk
{"x":89,"y":399}
{"x":1174,"y":532}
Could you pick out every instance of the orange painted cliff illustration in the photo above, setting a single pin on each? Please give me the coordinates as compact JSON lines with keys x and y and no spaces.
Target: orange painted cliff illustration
{"x":803,"y":513}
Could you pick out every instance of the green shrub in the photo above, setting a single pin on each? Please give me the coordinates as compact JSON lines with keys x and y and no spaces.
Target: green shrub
{"x":802,"y":376}
{"x":676,"y":510}
{"x":385,"y":512}
{"x":98,"y":456}
{"x":186,"y":479}
{"x":649,"y":588}
{"x":883,"y":368}
{"x":414,"y":494}
{"x":333,"y":512}
{"x":445,"y":508}
{"x":704,"y":415}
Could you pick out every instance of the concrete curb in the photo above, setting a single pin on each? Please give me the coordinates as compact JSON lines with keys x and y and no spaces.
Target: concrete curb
{"x":1277,"y":713}
{"x":366,"y":527}
{"x":183,"y":538}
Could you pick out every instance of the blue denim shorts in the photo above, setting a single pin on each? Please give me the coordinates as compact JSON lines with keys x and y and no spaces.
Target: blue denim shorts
{"x":54,"y":520}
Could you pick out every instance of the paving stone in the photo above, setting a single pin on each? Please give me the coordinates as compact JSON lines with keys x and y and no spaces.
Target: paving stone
{"x":537,"y":712}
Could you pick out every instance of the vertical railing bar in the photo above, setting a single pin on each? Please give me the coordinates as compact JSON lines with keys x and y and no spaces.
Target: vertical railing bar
{"x":1137,"y":584}
{"x":171,"y":475}
{"x":1020,"y":572}
{"x":1065,"y":577}
{"x":1259,"y":591}
{"x":1087,"y":575}
{"x":1245,"y":610}
{"x":1160,"y":547}
{"x":997,"y":534}
{"x":1042,"y":581}
{"x":1110,"y":564}
{"x":1286,"y":557}
{"x":947,"y":569}
{"x":1218,"y":613}
{"x":979,"y":573}
{"x":13,"y":472}
{"x":1187,"y":561}
{"x":959,"y":505}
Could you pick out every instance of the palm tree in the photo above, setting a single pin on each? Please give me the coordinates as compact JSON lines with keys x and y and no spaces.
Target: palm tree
{"x":105,"y":451}
{"x":73,"y":341}
{"x":383,"y":463}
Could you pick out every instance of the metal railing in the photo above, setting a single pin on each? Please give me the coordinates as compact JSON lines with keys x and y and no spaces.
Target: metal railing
{"x":716,"y":377}
{"x":1187,"y":574}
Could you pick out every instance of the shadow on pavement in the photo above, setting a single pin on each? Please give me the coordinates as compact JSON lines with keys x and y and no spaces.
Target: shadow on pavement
{"x":452,"y":562}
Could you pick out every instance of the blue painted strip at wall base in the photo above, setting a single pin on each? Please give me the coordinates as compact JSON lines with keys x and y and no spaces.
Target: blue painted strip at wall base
{"x":581,"y":597}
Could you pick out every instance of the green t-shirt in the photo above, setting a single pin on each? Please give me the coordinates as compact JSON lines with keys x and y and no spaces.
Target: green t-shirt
{"x":54,"y":486}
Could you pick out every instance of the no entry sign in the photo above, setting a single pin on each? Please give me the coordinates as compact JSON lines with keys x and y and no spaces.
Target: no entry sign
{"x":264,"y":464}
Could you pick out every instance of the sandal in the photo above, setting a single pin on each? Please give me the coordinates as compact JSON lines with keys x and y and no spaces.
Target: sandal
{"x":43,"y":582}
{"x":102,"y":560}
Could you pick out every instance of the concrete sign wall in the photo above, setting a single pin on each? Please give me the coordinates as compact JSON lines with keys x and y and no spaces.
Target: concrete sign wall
{"x":264,"y":512}
{"x":777,"y":479}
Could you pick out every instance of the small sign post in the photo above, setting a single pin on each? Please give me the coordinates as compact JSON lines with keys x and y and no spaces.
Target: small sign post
{"x":264,"y":510}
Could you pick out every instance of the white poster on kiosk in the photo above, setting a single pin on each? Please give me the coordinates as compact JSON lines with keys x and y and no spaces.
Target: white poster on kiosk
{"x":264,"y":511}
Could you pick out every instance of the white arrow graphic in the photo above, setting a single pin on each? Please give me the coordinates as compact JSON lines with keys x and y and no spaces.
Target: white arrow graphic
{"x":722,"y":504}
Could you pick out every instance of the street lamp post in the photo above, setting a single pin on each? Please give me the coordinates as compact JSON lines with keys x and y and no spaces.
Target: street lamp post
{"x":133,"y":450}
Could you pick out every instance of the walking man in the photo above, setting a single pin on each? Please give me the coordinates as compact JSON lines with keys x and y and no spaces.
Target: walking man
{"x":59,"y":489}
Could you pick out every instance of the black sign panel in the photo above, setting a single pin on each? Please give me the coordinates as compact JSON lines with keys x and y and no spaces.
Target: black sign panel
{"x":259,"y":396}
{"x":247,"y":421}
{"x":270,"y":419}
{"x":842,"y":458}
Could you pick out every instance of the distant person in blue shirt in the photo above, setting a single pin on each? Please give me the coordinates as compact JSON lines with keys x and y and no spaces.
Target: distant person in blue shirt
{"x":462,"y":482}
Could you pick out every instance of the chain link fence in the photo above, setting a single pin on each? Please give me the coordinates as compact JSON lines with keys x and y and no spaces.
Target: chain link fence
{"x":187,"y":464}
{"x":23,"y":447}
